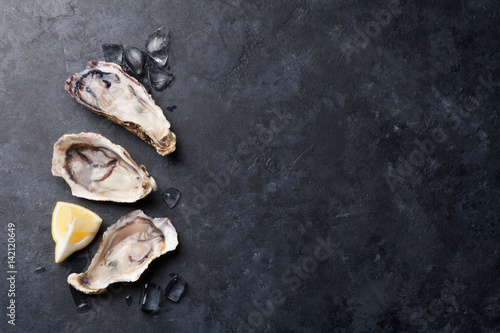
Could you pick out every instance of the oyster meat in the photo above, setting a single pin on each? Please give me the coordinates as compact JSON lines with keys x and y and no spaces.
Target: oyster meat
{"x":126,"y":250}
{"x":107,"y":90}
{"x":97,"y":169}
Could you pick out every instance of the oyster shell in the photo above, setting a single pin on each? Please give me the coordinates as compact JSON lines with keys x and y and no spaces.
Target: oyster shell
{"x":126,"y":250}
{"x":107,"y":90}
{"x":97,"y":169}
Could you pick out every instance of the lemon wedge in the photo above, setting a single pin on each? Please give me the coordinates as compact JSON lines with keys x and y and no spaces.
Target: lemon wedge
{"x":73,"y":228}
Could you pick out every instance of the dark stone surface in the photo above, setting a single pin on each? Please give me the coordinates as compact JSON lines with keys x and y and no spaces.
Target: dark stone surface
{"x":338,"y":163}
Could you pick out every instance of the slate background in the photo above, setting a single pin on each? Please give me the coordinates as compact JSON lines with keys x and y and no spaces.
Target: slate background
{"x":314,"y":107}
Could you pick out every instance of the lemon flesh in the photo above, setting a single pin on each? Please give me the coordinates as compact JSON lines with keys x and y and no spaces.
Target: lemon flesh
{"x":73,"y":228}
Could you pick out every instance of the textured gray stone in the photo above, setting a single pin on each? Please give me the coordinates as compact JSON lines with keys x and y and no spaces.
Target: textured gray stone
{"x":338,"y":163}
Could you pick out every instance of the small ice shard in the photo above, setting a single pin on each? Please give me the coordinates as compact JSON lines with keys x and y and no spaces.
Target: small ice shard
{"x":135,"y":59}
{"x":171,"y":108}
{"x":113,"y":53}
{"x":150,"y":298}
{"x":128,"y":299}
{"x":39,"y":270}
{"x":157,"y":46}
{"x":159,"y":79}
{"x":175,"y":288}
{"x":171,"y":196}
{"x":83,"y":307}
{"x":81,"y":300}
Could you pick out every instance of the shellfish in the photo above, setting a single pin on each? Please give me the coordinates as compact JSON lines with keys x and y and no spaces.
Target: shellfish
{"x":97,"y":169}
{"x":126,"y":250}
{"x":107,"y":90}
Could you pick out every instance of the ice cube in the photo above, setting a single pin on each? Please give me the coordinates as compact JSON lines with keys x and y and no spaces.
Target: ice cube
{"x":171,"y":196}
{"x":113,"y":53}
{"x":159,"y":79}
{"x":81,"y":300}
{"x":83,"y":307}
{"x":158,"y":45}
{"x":39,"y":270}
{"x":150,"y":298}
{"x":128,"y":299}
{"x":135,"y":59}
{"x":175,"y":288}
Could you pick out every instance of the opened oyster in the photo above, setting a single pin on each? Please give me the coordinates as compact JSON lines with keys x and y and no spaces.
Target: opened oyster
{"x":97,"y":169}
{"x":107,"y":90}
{"x":126,"y":250}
